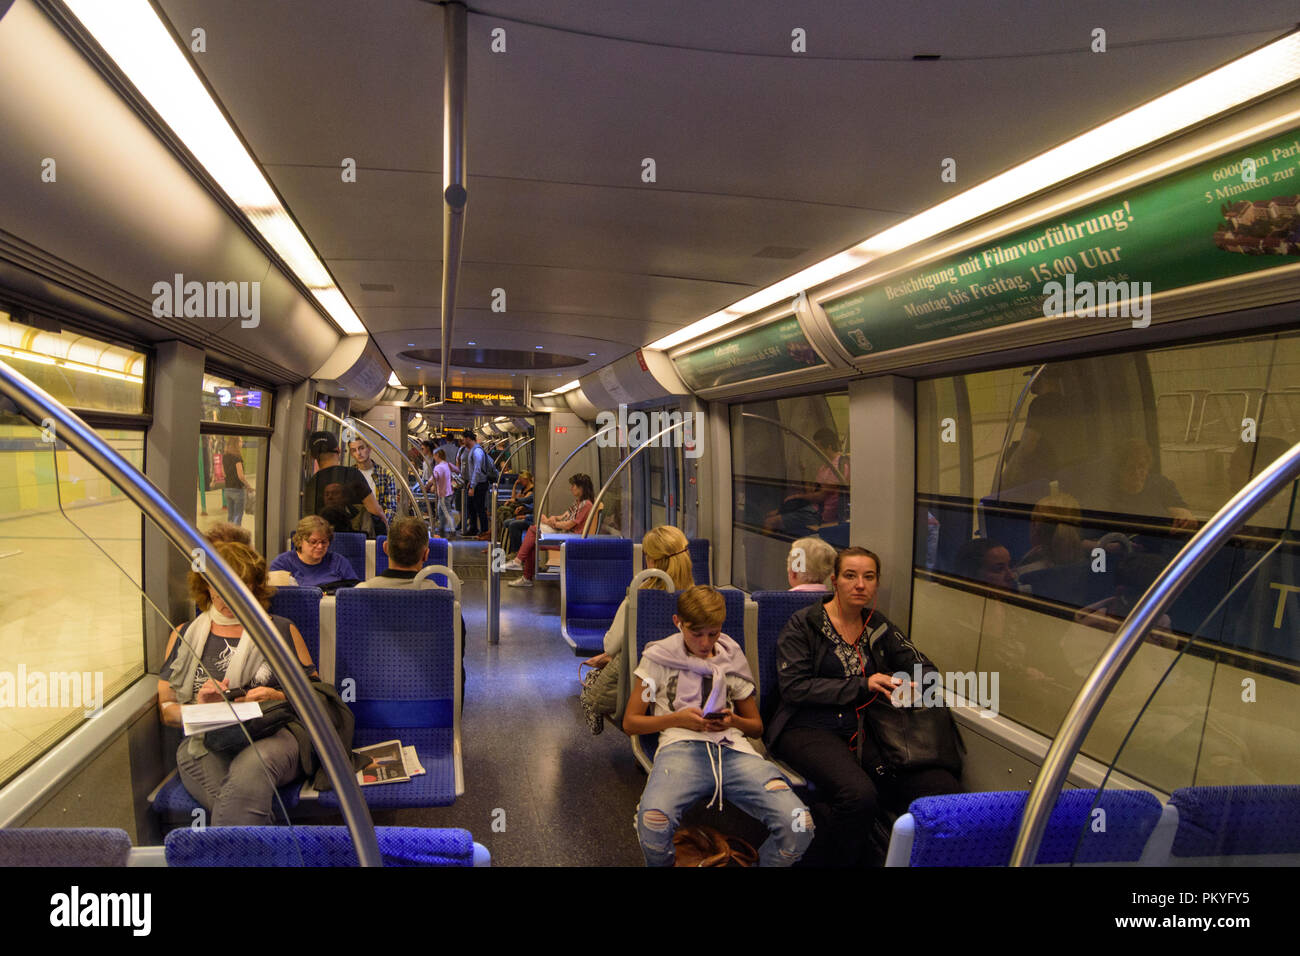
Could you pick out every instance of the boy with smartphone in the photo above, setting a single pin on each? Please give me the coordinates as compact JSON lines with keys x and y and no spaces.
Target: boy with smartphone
{"x":703,"y":692}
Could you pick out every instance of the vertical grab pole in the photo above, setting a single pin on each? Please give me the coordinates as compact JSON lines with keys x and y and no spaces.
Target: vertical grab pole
{"x":454,"y":196}
{"x":494,"y":573}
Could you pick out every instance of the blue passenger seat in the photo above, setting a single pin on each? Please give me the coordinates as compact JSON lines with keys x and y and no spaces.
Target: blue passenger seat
{"x":594,"y":576}
{"x":302,"y":607}
{"x":64,"y":846}
{"x":325,"y":846}
{"x":351,"y":545}
{"x":654,"y":622}
{"x":701,"y":569}
{"x":400,"y":649}
{"x":979,"y":829}
{"x":171,"y":801}
{"x":1240,"y":825}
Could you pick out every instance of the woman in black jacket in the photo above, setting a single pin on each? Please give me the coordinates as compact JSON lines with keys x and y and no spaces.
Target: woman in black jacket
{"x":834,"y":659}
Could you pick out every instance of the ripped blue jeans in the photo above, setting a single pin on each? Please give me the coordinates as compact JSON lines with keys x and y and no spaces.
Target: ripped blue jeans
{"x":689,"y":770}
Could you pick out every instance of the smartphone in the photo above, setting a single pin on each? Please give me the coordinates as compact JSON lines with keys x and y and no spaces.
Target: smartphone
{"x":716,"y":715}
{"x":234,"y":693}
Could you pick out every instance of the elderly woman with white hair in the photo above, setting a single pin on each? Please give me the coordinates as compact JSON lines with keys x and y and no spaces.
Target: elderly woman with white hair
{"x":809,"y":565}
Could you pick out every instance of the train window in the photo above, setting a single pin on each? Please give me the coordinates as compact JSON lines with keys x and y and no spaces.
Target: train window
{"x":81,"y":372}
{"x":224,"y":401}
{"x":790,"y":465}
{"x":1050,"y":497}
{"x":231,"y":471}
{"x":70,"y":570}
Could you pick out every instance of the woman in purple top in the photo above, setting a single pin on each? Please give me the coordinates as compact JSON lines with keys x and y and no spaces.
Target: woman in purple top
{"x":311,"y":562}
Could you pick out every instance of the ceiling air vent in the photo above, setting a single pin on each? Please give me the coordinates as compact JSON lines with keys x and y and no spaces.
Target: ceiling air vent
{"x":377,"y":287}
{"x":779,"y":252}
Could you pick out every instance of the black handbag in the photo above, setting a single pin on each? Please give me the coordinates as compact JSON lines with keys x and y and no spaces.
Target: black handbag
{"x":910,"y":738}
{"x":230,"y":740}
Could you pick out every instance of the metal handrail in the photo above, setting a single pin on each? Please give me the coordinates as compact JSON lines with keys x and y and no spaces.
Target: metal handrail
{"x":593,"y":514}
{"x":494,"y":575}
{"x":1011,"y":426}
{"x":1106,"y":673}
{"x":803,"y":438}
{"x":541,"y":502}
{"x":348,"y":423}
{"x":37,"y":405}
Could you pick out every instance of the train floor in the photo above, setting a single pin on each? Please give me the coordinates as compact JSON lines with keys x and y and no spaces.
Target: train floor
{"x":540,"y":789}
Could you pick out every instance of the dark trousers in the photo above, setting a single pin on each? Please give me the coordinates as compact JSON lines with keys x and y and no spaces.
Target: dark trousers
{"x":848,"y":800}
{"x":477,"y":522}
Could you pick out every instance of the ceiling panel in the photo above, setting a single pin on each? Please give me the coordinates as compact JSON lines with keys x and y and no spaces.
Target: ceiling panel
{"x":754,"y":145}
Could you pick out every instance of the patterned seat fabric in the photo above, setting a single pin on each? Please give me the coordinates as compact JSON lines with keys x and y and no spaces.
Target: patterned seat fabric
{"x":698,"y":549}
{"x":979,"y":829}
{"x":315,"y":846}
{"x":92,"y":846}
{"x":1236,"y":821}
{"x":597,"y":572}
{"x":399,"y":650}
{"x":302,"y":606}
{"x":352,"y":546}
{"x":774,"y":610}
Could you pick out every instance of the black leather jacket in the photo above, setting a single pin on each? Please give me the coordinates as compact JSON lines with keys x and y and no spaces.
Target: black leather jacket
{"x":800,"y":651}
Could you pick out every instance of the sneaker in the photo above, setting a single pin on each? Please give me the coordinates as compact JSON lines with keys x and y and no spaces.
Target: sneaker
{"x":512,"y":565}
{"x":521,"y":582}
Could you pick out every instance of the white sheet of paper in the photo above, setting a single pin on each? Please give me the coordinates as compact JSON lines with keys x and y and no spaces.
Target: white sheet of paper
{"x":200,"y":718}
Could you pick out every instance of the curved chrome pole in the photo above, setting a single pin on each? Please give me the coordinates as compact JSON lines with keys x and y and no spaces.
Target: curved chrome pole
{"x":802,"y":438}
{"x":541,"y":502}
{"x":591,"y":515}
{"x":38,"y":406}
{"x":1078,"y":720}
{"x":349,"y":423}
{"x":1011,"y":426}
{"x":494,"y":575}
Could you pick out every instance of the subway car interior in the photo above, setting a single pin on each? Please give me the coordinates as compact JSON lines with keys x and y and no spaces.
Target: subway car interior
{"x":900,"y":401}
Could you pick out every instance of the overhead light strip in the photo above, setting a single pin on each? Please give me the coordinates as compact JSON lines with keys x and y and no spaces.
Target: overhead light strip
{"x":142,"y":47}
{"x":1264,"y":71}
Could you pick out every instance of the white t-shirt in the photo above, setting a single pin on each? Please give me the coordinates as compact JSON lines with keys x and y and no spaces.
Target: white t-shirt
{"x":664,"y":682}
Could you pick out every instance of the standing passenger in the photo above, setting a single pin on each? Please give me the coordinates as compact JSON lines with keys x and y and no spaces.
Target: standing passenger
{"x":356,"y":491}
{"x":237,"y":484}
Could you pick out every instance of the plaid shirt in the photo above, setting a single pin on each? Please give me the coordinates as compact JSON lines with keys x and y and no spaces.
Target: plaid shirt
{"x":385,"y":491}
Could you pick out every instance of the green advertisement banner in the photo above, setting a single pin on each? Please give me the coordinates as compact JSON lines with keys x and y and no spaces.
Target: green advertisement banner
{"x":1237,"y":214}
{"x":768,"y":350}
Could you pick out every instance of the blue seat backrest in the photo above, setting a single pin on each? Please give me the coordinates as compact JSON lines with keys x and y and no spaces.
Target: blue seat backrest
{"x":1236,"y":821}
{"x":399,"y":648}
{"x":655,"y":610}
{"x":654,"y":622}
{"x":597,"y":572}
{"x":64,"y":846}
{"x":324,"y":846}
{"x":979,"y":829}
{"x":352,"y":546}
{"x":774,"y":610}
{"x":698,"y":549}
{"x":437,"y":555}
{"x":302,"y":606}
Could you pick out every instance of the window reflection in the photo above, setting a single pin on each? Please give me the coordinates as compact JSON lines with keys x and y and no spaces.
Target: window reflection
{"x":791,"y":464}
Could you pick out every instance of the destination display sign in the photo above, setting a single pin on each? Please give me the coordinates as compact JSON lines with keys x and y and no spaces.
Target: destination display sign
{"x":485,"y":396}
{"x":1237,"y":214}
